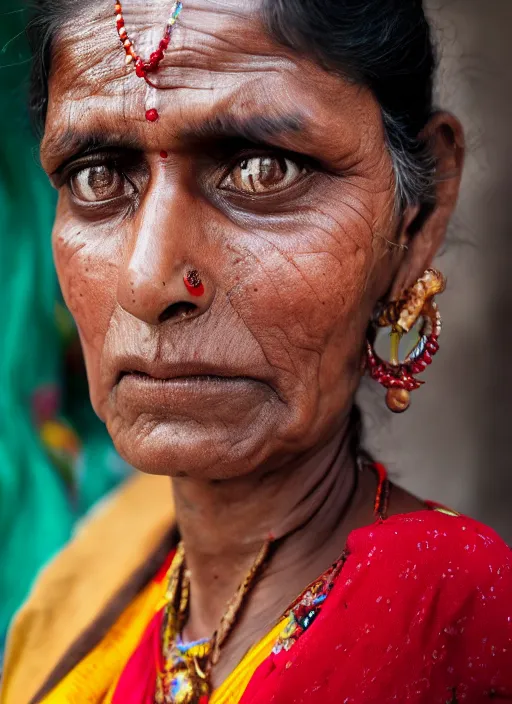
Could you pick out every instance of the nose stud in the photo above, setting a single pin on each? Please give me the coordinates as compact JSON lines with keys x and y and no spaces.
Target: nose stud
{"x":193,"y":283}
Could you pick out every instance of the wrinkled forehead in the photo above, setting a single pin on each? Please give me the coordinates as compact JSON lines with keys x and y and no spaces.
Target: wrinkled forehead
{"x":221,"y":60}
{"x":210,"y":36}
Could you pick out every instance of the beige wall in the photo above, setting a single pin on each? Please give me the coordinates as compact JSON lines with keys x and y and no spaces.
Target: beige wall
{"x":453,"y":445}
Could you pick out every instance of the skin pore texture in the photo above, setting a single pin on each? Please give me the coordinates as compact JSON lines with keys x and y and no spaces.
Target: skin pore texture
{"x":271,"y":178}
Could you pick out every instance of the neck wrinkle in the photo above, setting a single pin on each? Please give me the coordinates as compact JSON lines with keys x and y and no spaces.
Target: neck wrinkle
{"x":224,"y":525}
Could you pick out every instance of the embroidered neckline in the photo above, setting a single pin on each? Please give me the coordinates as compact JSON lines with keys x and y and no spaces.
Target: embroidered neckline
{"x":305,"y":609}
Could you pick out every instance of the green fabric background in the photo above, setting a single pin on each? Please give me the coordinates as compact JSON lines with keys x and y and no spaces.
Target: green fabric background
{"x":38,"y":505}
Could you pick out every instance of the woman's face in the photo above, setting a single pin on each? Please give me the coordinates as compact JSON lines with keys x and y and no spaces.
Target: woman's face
{"x":267,"y":175}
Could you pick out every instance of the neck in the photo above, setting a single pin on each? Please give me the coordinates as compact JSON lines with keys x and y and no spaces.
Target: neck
{"x":303,"y":506}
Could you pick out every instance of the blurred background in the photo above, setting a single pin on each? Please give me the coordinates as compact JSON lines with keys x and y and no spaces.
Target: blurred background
{"x":56,"y":460}
{"x":452,"y":446}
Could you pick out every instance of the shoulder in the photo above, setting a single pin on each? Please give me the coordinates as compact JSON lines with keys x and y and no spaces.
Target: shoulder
{"x":421,"y":610}
{"x":439,"y":587}
{"x":453,"y":556}
{"x":437,"y":541}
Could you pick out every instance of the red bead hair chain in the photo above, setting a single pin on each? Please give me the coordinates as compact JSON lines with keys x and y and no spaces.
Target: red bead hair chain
{"x":143,"y":68}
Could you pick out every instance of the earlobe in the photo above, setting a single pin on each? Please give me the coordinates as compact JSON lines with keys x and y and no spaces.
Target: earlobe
{"x":424,"y":226}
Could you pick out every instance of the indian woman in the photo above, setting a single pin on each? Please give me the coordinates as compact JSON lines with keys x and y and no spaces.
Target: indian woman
{"x":249,"y":190}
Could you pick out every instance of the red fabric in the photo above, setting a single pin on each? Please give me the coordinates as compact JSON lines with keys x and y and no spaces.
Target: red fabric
{"x":137,"y":683}
{"x":421,"y":612}
{"x":164,"y":569}
{"x":138,"y":680}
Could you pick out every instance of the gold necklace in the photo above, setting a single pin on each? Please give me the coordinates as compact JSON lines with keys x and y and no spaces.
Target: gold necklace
{"x":185,"y":677}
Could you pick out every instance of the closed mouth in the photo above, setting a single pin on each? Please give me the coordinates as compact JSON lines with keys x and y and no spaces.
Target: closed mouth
{"x":192,"y":378}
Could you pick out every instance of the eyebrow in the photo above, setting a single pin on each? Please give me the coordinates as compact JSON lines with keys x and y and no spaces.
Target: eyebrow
{"x":256,"y":128}
{"x":71,"y":144}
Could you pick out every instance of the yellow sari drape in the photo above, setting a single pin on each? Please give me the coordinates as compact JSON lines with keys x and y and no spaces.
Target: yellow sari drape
{"x":94,"y":679}
{"x":78,"y":585}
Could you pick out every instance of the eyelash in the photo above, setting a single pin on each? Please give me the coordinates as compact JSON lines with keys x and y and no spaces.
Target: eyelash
{"x":260,"y":152}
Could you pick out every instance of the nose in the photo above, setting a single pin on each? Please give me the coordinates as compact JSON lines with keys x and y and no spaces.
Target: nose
{"x":162,"y":278}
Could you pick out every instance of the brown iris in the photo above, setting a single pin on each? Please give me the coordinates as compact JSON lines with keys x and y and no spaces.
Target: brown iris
{"x":262,"y":174}
{"x":97,"y":183}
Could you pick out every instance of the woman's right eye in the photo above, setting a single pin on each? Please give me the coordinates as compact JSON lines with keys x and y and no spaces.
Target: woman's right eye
{"x":101,"y":182}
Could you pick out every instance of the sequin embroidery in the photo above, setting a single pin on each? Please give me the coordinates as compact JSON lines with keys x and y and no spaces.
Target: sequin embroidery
{"x":307,"y":607}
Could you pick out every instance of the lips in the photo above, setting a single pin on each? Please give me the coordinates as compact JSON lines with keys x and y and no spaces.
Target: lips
{"x":156,"y":371}
{"x":189,"y":362}
{"x":178,"y":393}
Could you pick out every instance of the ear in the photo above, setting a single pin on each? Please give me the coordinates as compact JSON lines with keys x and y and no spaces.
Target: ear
{"x":423,"y":227}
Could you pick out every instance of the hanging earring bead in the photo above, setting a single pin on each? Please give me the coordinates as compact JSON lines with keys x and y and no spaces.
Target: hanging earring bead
{"x":398,"y":400}
{"x":415,"y":304}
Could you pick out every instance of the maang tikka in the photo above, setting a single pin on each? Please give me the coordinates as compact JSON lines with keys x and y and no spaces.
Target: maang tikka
{"x":415,"y":303}
{"x":143,"y":68}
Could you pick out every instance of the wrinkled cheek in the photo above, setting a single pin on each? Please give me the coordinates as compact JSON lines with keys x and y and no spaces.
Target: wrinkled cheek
{"x":303,"y":307}
{"x":88,"y":279}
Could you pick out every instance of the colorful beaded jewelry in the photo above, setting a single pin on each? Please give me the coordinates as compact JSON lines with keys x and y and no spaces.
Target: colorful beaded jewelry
{"x":142,"y":68}
{"x":416,"y":303}
{"x":307,"y":607}
{"x":380,"y":506}
{"x":182,"y":679}
{"x":185,"y":677}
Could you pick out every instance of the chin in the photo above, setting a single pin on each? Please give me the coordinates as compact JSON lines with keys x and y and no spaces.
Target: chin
{"x":188,"y":448}
{"x":198,"y":427}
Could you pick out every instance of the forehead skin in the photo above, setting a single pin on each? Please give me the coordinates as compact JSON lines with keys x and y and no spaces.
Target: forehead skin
{"x":220,"y":62}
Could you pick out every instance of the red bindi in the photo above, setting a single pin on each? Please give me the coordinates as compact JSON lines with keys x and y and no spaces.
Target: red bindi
{"x":193,"y":283}
{"x":164,"y":154}
{"x":152,"y":115}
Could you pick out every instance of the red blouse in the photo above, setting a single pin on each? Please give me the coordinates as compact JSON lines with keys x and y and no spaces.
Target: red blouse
{"x":420,"y":612}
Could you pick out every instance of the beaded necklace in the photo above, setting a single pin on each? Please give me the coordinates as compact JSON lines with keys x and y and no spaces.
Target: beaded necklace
{"x":185,"y":677}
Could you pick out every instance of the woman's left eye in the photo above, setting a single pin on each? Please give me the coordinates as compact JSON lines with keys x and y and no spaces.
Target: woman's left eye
{"x":262,"y":174}
{"x":101,"y":182}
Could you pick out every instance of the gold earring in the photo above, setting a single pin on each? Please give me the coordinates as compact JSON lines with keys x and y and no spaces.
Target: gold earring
{"x":415,"y":303}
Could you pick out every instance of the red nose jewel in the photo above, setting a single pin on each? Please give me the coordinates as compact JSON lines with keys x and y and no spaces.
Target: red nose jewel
{"x":152,"y":115}
{"x":193,"y":283}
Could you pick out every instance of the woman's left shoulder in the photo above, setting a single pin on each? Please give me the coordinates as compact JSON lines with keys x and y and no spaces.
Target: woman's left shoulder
{"x":436,"y":590}
{"x":438,"y":546}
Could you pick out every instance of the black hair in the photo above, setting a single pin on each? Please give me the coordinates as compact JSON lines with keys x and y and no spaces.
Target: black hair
{"x":385,"y":45}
